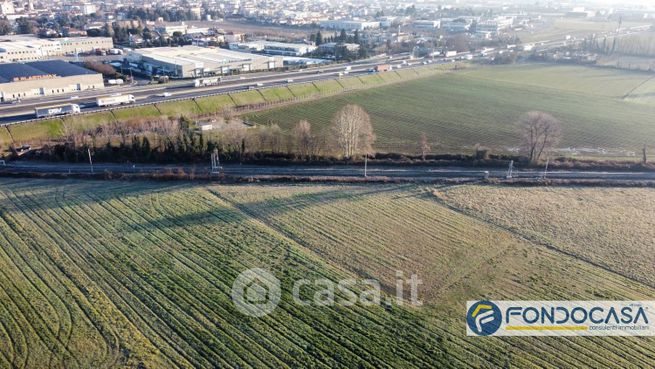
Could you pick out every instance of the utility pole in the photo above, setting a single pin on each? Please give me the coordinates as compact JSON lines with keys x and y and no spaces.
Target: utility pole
{"x":510,"y":170}
{"x":90,"y":159}
{"x":365,"y":165}
{"x":216,"y":162}
{"x":546,"y":168}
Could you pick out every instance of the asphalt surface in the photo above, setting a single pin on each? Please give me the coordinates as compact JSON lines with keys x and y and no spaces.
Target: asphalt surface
{"x":405,"y":172}
{"x":150,"y":93}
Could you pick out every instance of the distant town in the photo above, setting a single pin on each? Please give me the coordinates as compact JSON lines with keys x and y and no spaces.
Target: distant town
{"x":327,"y":184}
{"x":126,"y":43}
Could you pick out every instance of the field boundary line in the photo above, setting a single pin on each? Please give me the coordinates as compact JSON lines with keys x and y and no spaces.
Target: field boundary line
{"x":299,"y":242}
{"x":328,"y":336}
{"x":538,"y":241}
{"x":627,"y":95}
{"x":296,"y":242}
{"x":192,"y":265}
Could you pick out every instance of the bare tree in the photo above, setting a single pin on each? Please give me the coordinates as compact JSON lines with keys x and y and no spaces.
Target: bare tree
{"x":541,"y":131}
{"x":276,"y":138}
{"x":234,"y":136}
{"x":353,"y":131}
{"x":424,"y":146}
{"x":302,"y":134}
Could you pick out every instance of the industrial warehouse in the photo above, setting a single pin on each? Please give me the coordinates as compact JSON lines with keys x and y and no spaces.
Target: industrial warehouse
{"x":193,"y":61}
{"x":43,"y":78}
{"x":26,"y":48}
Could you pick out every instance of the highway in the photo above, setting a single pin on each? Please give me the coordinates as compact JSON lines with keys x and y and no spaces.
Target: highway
{"x":341,"y":171}
{"x":150,"y":93}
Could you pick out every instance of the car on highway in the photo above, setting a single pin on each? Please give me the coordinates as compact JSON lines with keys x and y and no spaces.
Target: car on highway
{"x":165,"y":94}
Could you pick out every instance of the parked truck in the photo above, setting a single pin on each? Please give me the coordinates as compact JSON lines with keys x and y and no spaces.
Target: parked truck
{"x":57,"y":110}
{"x":115,"y":100}
{"x":115,"y":82}
{"x":383,"y":68}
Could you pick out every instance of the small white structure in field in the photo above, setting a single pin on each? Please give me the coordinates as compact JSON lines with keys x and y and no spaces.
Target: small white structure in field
{"x":206,"y":127}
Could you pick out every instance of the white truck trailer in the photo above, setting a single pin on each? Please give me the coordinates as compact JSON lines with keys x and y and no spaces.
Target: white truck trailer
{"x":115,"y":100}
{"x":57,"y":110}
{"x":206,"y":81}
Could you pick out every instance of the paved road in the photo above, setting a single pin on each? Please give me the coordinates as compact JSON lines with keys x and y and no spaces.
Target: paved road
{"x":416,"y":172}
{"x":147,"y":94}
{"x":16,"y":113}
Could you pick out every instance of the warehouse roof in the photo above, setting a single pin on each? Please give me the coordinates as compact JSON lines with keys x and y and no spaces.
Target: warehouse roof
{"x":60,"y":68}
{"x":194,"y":54}
{"x":11,"y":72}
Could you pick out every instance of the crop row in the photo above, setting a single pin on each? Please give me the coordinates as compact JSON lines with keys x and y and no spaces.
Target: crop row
{"x":164,"y":261}
{"x":376,"y":230}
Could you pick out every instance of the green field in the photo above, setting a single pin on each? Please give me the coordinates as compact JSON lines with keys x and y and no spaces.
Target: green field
{"x":558,"y":29}
{"x":562,"y":217}
{"x":328,"y":86}
{"x":138,"y":112}
{"x":276,"y":94}
{"x":373,"y":79}
{"x":304,"y":90}
{"x":187,"y":108}
{"x":248,"y":98}
{"x":599,"y":108}
{"x":5,"y":138}
{"x":350,"y":83}
{"x":35,"y":131}
{"x":44,"y":131}
{"x":215,"y":104}
{"x":138,"y":274}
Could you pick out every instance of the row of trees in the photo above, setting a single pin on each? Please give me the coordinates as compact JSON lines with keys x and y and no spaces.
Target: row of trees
{"x":167,"y":14}
{"x":343,"y":37}
{"x":58,"y":25}
{"x":165,"y":139}
{"x":350,"y":136}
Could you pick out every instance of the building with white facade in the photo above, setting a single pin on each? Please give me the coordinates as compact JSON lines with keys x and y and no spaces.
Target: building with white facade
{"x":194,"y":61}
{"x":274,"y":48}
{"x":25,"y":48}
{"x":349,"y":25}
{"x":44,"y":78}
{"x":426,"y":24}
{"x":7,"y":7}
